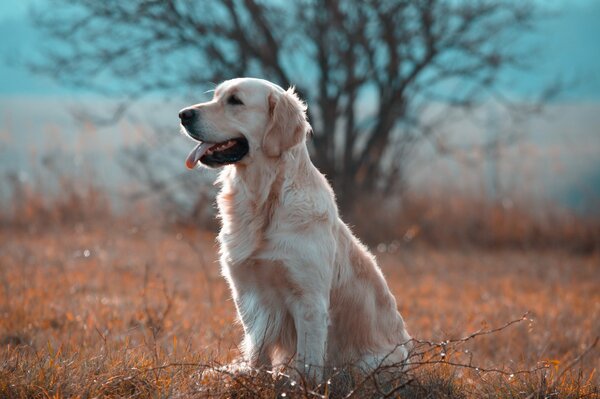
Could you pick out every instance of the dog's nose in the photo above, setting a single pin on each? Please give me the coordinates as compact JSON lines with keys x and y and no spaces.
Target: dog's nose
{"x":186,"y":115}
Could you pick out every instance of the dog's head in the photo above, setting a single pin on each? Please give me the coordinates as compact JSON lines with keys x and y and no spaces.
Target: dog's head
{"x":246,"y":119}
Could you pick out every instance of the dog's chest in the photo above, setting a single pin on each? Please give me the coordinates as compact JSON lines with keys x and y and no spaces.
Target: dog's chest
{"x":243,"y":226}
{"x":245,"y":240}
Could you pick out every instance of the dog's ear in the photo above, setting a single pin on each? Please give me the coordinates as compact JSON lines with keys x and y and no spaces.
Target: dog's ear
{"x":287,"y":126}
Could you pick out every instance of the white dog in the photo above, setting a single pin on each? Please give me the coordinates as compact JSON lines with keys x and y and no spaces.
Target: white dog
{"x":304,"y":287}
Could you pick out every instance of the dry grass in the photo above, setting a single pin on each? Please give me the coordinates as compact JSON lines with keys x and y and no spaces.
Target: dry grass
{"x":451,"y":219}
{"x":92,"y":305}
{"x":118,"y":309}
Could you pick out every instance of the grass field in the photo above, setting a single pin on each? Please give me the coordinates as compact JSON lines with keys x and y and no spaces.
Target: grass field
{"x":131,"y":310}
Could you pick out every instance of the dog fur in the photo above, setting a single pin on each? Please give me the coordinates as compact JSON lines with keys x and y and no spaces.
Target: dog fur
{"x":306,"y":290}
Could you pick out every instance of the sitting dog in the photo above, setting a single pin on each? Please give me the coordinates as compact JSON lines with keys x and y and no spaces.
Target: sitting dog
{"x":306,"y":290}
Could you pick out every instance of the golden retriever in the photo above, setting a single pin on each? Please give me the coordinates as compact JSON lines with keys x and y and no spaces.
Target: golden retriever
{"x":306,"y":290}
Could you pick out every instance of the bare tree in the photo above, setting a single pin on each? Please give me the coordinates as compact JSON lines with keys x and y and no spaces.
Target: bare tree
{"x":369,"y":70}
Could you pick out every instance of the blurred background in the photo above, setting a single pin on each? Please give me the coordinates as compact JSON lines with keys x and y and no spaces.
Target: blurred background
{"x":473,"y":112}
{"x":462,"y":139}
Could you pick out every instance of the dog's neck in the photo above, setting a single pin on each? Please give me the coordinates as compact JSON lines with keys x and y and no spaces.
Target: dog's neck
{"x":256,"y":186}
{"x":259,"y":179}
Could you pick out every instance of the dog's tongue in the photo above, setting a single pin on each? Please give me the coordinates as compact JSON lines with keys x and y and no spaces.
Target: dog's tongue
{"x":196,"y":154}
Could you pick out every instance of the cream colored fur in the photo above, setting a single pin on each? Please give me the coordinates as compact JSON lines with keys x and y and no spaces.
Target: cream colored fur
{"x":306,"y":290}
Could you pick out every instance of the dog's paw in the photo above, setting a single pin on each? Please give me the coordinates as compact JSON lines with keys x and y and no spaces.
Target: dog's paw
{"x":228,"y":372}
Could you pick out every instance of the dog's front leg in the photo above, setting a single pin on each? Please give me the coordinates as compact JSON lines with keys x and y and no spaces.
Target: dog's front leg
{"x":255,"y":351}
{"x":310,"y":320}
{"x":258,"y":330}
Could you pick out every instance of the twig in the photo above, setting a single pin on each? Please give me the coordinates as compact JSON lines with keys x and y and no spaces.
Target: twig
{"x":482,"y":370}
{"x":473,"y":335}
{"x":578,"y":358}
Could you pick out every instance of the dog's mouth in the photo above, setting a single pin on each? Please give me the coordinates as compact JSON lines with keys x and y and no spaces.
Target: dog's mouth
{"x":218,"y":154}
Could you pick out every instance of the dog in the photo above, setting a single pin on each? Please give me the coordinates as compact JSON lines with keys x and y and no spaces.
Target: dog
{"x":307,"y":292}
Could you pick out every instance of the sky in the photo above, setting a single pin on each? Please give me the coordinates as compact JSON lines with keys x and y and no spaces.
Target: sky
{"x":566,"y":43}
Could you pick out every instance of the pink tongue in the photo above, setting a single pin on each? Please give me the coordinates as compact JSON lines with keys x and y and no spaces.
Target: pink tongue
{"x":196,"y":154}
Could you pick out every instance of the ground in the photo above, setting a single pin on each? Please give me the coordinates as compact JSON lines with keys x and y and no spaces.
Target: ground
{"x":132,"y":309}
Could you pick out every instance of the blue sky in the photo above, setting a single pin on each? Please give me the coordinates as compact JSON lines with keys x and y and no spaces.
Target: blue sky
{"x":567,"y":42}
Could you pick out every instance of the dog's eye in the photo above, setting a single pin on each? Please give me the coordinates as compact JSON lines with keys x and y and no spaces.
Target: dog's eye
{"x":234,"y":100}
